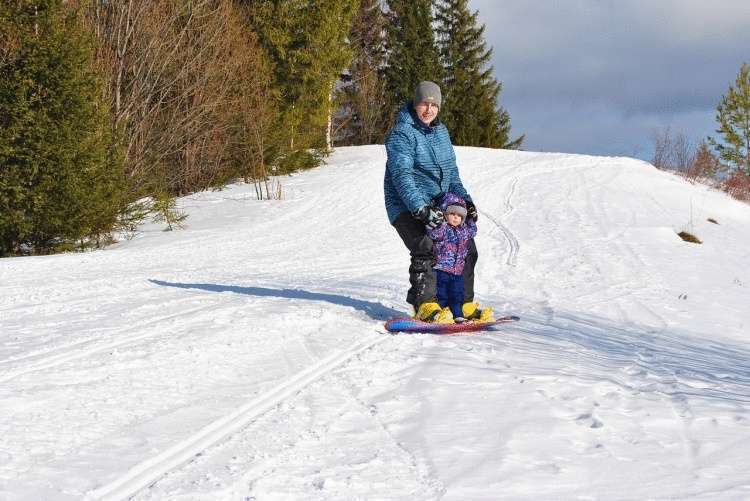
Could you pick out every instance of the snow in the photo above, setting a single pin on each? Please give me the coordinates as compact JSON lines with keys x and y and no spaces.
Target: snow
{"x":243,"y":358}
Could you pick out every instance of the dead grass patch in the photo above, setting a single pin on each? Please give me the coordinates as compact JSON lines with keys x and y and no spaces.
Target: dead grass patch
{"x":689,"y":237}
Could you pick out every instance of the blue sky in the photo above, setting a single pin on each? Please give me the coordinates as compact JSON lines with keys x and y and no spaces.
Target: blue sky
{"x":602,"y":76}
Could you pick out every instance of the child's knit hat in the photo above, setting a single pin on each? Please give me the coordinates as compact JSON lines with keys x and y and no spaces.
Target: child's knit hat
{"x":451,"y":203}
{"x":456,"y":209}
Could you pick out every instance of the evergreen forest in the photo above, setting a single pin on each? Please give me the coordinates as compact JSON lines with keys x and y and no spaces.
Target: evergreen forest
{"x":109,"y":110}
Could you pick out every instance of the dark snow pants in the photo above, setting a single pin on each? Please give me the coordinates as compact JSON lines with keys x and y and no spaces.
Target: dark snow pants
{"x":421,"y":273}
{"x":450,"y":292}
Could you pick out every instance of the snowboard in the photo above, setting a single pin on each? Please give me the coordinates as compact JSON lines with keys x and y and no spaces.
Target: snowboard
{"x":408,"y":324}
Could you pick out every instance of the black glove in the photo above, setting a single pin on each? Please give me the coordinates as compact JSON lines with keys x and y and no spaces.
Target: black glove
{"x":471,"y":211}
{"x":431,"y":216}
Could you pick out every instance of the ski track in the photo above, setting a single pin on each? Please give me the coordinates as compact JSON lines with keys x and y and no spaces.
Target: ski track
{"x":611,"y":365}
{"x":513,"y":244}
{"x":228,"y":471}
{"x":85,"y":348}
{"x":151,"y":470}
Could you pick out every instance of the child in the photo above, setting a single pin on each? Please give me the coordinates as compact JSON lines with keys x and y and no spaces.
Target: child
{"x":450,"y":245}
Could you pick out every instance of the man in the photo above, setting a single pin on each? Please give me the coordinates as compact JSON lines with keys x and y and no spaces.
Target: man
{"x":421,"y":166}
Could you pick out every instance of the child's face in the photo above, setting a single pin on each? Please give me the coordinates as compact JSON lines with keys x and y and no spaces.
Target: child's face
{"x":454,"y":219}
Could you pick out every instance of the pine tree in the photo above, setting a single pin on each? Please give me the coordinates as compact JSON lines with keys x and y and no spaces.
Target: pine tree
{"x":363,"y":118}
{"x":470,"y":92}
{"x":61,"y":180}
{"x":733,"y":115}
{"x":331,"y":49}
{"x":307,"y":44}
{"x":412,"y":53}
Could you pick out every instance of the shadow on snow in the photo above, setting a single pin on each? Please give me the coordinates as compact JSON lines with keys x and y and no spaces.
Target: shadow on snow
{"x":376,"y":311}
{"x":639,"y":358}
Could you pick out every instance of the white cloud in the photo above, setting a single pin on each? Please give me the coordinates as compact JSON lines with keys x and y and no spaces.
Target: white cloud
{"x":616,"y":63}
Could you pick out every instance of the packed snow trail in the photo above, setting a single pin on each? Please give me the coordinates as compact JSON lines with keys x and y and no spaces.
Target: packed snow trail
{"x":151,"y":470}
{"x":48,"y":359}
{"x":217,"y":362}
{"x":577,"y":378}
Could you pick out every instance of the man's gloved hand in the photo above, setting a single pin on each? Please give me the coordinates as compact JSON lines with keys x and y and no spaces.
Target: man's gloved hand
{"x":471,"y":211}
{"x":431,"y":216}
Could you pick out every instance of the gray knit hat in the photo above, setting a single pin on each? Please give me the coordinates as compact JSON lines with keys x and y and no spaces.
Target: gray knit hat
{"x":456,"y":209}
{"x":429,"y":92}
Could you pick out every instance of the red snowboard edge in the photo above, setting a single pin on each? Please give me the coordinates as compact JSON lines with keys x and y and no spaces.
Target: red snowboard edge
{"x":408,"y":324}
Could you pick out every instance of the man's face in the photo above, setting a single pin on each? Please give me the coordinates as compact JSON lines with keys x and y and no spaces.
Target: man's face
{"x":426,"y":111}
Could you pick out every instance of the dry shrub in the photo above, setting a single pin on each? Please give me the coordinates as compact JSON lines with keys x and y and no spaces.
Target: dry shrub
{"x":183,"y":80}
{"x":672,"y":151}
{"x":705,"y":165}
{"x":738,"y":186}
{"x":10,"y":39}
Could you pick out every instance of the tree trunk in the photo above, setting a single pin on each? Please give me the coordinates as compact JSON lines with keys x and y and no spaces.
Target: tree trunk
{"x":329,"y":126}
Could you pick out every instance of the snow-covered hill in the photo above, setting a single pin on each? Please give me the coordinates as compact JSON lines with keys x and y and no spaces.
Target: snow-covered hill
{"x":243,"y":357}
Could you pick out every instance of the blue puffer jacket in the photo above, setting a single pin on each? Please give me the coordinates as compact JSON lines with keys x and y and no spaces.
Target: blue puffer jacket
{"x":421,"y":164}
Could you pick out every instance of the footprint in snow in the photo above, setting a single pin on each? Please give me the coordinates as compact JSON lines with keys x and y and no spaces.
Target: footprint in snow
{"x":588,"y":420}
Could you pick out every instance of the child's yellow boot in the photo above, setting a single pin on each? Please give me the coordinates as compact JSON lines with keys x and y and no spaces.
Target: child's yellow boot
{"x":472,"y":311}
{"x":433,"y":313}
